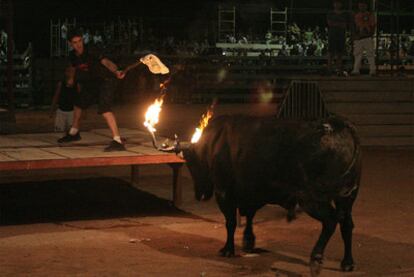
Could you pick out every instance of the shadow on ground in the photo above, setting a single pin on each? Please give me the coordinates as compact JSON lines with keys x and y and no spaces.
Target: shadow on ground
{"x":67,"y":200}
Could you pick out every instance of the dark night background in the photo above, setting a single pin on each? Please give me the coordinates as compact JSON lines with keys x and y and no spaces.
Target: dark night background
{"x":176,"y":18}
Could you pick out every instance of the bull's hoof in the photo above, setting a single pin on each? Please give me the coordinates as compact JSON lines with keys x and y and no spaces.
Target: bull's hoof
{"x":347,"y":266}
{"x":248,"y":244}
{"x":226,"y":252}
{"x":316,"y":265}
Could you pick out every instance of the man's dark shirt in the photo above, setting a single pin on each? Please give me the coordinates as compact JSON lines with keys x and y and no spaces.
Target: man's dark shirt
{"x":88,"y":65}
{"x":337,"y":18}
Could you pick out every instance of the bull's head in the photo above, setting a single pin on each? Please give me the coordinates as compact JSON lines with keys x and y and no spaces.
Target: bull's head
{"x":192,"y":154}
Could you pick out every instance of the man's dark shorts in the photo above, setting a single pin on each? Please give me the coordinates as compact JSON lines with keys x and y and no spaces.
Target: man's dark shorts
{"x":101,"y":92}
{"x":336,"y":43}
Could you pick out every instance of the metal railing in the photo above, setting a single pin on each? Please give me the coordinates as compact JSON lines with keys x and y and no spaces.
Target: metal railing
{"x":303,"y":101}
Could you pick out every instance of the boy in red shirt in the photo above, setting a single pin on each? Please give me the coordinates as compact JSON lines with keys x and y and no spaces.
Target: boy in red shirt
{"x":363,"y":31}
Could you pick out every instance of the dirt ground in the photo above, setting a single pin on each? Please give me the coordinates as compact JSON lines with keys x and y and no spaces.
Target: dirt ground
{"x":92,"y":222}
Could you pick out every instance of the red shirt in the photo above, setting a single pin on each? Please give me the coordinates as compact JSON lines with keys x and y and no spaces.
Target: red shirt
{"x":364,"y":24}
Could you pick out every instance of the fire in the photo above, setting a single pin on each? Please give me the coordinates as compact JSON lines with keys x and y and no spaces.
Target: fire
{"x":152,"y":114}
{"x":203,"y":124}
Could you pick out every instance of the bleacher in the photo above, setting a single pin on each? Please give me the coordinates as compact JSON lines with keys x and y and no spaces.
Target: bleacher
{"x":22,"y":79}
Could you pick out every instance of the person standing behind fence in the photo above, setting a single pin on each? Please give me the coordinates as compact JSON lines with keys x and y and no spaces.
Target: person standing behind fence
{"x":363,"y":29}
{"x":63,"y":100}
{"x":337,"y":24}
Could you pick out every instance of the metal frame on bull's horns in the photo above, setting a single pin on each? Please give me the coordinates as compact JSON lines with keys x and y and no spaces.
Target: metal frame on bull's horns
{"x":165,"y":147}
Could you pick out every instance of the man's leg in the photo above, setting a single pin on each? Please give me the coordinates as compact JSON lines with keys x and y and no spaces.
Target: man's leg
{"x":59,"y":122}
{"x":104,"y":108}
{"x":73,"y":133}
{"x":77,"y":113}
{"x":111,"y":121}
{"x":358,"y":51}
{"x":369,"y":48}
{"x":116,"y":143}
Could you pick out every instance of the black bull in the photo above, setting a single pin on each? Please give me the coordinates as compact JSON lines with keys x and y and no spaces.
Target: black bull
{"x":249,"y":162}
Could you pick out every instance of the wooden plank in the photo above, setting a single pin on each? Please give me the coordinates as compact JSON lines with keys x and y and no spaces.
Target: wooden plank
{"x":5,"y":158}
{"x":382,"y":119}
{"x":90,"y":162}
{"x":8,"y":141}
{"x":386,"y":131}
{"x":34,"y":140}
{"x":125,"y":132}
{"x":146,"y":149}
{"x":371,"y":108}
{"x":135,"y":136}
{"x":368,"y":96}
{"x":387,"y":141}
{"x":78,"y":152}
{"x":88,"y":138}
{"x":29,"y":154}
{"x":47,"y":138}
{"x":91,"y":138}
{"x":367,"y":84}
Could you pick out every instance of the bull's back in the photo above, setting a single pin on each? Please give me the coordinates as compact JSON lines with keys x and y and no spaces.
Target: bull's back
{"x":265,"y":157}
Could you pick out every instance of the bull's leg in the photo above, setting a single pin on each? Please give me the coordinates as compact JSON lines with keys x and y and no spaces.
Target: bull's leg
{"x":249,"y":238}
{"x":344,"y":208}
{"x":229,"y":211}
{"x":325,"y":213}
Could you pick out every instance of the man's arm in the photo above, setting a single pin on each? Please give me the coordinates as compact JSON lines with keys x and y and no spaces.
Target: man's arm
{"x":111,"y":66}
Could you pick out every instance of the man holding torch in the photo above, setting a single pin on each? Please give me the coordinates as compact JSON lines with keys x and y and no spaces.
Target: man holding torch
{"x":97,"y":75}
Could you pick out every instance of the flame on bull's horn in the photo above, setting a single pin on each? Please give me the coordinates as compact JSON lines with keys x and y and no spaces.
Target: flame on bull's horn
{"x":203,"y":124}
{"x":152,"y":114}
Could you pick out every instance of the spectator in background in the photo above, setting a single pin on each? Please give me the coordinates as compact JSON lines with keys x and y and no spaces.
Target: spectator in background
{"x":86,"y":37}
{"x":294,"y":29}
{"x":66,"y":92}
{"x":63,"y":38}
{"x":243,"y":40}
{"x":283,"y":52}
{"x":308,"y":35}
{"x":337,"y":22}
{"x":319,"y":47}
{"x":231,"y":39}
{"x":363,"y":29}
{"x":3,"y":46}
{"x":97,"y":39}
{"x":269,"y":37}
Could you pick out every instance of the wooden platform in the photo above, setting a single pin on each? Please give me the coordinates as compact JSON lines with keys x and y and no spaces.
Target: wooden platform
{"x":41,"y":151}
